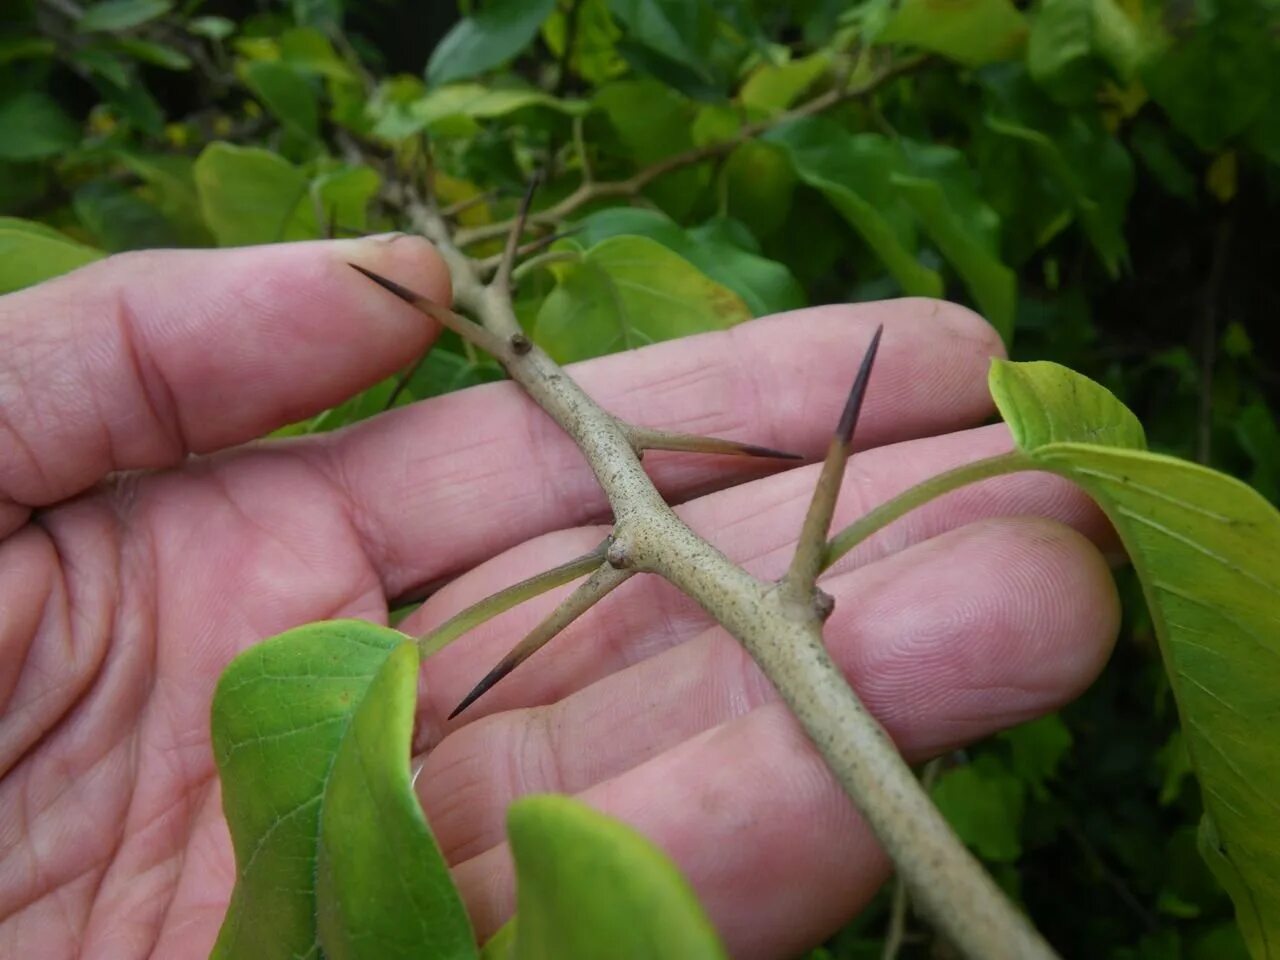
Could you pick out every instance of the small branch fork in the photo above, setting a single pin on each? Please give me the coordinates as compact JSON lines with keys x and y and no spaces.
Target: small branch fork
{"x":780,"y":624}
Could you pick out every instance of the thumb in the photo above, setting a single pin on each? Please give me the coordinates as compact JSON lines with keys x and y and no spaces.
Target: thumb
{"x":140,"y":359}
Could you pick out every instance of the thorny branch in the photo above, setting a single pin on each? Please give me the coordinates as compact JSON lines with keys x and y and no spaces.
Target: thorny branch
{"x":780,"y":624}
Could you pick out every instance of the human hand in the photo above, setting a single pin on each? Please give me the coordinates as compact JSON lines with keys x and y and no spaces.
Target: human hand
{"x":124,"y":595}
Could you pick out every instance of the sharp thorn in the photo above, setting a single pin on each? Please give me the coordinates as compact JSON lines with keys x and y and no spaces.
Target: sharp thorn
{"x":853,"y":406}
{"x":404,"y":293}
{"x":507,"y":664}
{"x":526,"y":201}
{"x":644,"y":439}
{"x":752,"y":450}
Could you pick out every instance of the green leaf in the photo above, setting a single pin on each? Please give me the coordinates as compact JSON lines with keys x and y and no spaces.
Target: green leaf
{"x":134,"y":103}
{"x":774,"y":87}
{"x":984,"y":803}
{"x":31,"y":252}
{"x":120,"y":219}
{"x":13,"y":49}
{"x":1152,"y":143}
{"x":595,"y":40}
{"x":104,"y":62}
{"x":383,"y":889}
{"x":1205,"y":547}
{"x":490,"y":36}
{"x":652,"y":122}
{"x":627,"y":292}
{"x":250,"y":195}
{"x":286,"y":93}
{"x":345,"y":194}
{"x":590,"y":887}
{"x":473,"y":100}
{"x":854,"y":172}
{"x":758,"y":182}
{"x":171,"y":186}
{"x":157,"y":54}
{"x":34,"y":127}
{"x":1096,"y":178}
{"x":941,"y":191}
{"x":310,"y":51}
{"x":1045,"y":403}
{"x":1038,"y":748}
{"x":502,"y":945}
{"x":972,"y":32}
{"x":1208,"y":79}
{"x":1072,"y":43}
{"x":766,"y":286}
{"x":311,"y":735}
{"x":679,"y":31}
{"x":121,"y":14}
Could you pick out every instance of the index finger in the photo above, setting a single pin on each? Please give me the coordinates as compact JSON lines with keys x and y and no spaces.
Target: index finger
{"x":141,"y":359}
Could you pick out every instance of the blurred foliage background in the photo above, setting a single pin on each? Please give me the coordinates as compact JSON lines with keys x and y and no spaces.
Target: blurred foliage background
{"x":1100,"y":178}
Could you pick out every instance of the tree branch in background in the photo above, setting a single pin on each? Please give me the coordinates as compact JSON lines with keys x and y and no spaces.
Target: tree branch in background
{"x":590,"y":191}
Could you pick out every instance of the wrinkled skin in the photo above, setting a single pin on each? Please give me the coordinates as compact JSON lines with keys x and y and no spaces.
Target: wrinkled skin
{"x":145,"y":542}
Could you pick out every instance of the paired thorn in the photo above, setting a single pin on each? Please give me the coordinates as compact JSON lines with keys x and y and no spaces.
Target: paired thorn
{"x":502,"y":601}
{"x":643,"y":439}
{"x":811,"y":548}
{"x":468,"y":330}
{"x":502,"y":278}
{"x":525,"y":250}
{"x":597,"y":586}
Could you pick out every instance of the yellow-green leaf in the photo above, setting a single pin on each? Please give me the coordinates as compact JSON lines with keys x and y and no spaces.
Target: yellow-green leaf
{"x":630,"y":291}
{"x":590,"y":887}
{"x":1207,"y":550}
{"x":774,"y":87}
{"x":972,"y":32}
{"x":333,"y":855}
{"x":31,"y":252}
{"x":1046,"y":403}
{"x":250,"y":195}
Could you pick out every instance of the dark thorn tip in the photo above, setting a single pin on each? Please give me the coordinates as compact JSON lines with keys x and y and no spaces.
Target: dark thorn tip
{"x":526,"y":201}
{"x":752,"y":450}
{"x":484,"y":686}
{"x":852,"y":407}
{"x":404,"y":293}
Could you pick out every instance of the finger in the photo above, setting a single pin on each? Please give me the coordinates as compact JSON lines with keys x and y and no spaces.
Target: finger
{"x":140,"y":359}
{"x":484,"y":469}
{"x":970,"y":632}
{"x":755,"y":525}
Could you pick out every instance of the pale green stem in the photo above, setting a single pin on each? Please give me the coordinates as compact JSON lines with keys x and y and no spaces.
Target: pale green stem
{"x":883,"y":515}
{"x":435,"y":640}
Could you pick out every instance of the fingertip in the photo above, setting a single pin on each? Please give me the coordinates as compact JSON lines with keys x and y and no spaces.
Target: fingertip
{"x":960,"y":323}
{"x":988,"y":625}
{"x":189,"y":351}
{"x":406,"y":258}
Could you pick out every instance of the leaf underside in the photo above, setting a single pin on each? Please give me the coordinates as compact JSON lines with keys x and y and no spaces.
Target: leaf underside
{"x":1207,"y":549}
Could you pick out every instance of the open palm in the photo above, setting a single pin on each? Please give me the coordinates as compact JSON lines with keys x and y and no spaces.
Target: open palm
{"x":123,"y":595}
